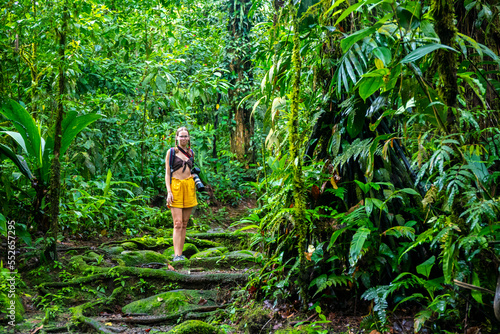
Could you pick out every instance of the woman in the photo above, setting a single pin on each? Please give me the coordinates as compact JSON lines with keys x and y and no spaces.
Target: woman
{"x":181,"y":196}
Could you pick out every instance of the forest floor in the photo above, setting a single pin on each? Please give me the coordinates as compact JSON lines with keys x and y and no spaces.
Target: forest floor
{"x":130,"y":285}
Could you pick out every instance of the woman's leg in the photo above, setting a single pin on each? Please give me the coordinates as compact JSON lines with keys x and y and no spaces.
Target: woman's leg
{"x":186,"y":213}
{"x":178,"y":235}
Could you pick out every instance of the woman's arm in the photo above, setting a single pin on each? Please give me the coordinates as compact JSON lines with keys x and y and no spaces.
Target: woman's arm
{"x":170,"y":197}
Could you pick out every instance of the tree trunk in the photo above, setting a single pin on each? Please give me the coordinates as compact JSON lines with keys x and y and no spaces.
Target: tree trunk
{"x":50,"y":252}
{"x":444,"y":15}
{"x":240,"y":66}
{"x":298,"y":182}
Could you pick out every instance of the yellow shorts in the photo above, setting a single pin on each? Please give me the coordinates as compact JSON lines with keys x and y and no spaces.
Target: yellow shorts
{"x":184,"y":193}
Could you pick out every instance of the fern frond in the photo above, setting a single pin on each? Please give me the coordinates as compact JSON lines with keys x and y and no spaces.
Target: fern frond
{"x":401,"y":231}
{"x":353,"y":151}
{"x":481,"y":212}
{"x":324,"y":281}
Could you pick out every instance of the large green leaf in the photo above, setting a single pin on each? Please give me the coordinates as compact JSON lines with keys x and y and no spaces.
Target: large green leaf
{"x":369,"y":85}
{"x":424,"y":50}
{"x":477,"y":295}
{"x":350,"y":40}
{"x":71,"y":126}
{"x":3,"y":225}
{"x":355,"y":122}
{"x":18,"y":138}
{"x":17,"y":160}
{"x":161,"y":84}
{"x":358,"y":240}
{"x":26,"y":126}
{"x":425,"y":267}
{"x":351,"y":9}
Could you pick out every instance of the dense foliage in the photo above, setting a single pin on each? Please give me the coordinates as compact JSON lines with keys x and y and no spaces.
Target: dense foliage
{"x":367,"y":130}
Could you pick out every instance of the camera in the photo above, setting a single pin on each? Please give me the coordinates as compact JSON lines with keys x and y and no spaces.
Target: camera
{"x":199,"y":185}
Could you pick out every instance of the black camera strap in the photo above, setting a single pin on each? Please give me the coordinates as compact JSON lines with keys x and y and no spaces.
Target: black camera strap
{"x":190,"y":156}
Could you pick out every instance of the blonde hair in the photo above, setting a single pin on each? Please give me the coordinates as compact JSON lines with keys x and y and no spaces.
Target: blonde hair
{"x":182,"y":128}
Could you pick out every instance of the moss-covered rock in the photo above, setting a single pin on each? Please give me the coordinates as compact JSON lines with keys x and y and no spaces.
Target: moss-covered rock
{"x":172,"y":301}
{"x":129,"y":245}
{"x":254,"y":320}
{"x":195,"y":326}
{"x":12,"y":307}
{"x":92,"y":256}
{"x":187,"y":251}
{"x":136,"y":258}
{"x":242,"y":253}
{"x":114,"y":250}
{"x":223,"y":261}
{"x":210,"y":252}
{"x":201,"y":243}
{"x":145,"y":242}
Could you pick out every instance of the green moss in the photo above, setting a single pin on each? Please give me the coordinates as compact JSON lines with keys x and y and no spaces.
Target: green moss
{"x":187,"y":251}
{"x":242,"y":253}
{"x":225,"y":261}
{"x":91,"y":256}
{"x":136,"y":258}
{"x":171,"y":301}
{"x":222,"y":249}
{"x":114,"y":250}
{"x":294,"y":149}
{"x":254,"y":320}
{"x":289,"y":331}
{"x":129,"y":245}
{"x":12,"y":308}
{"x":147,"y":242}
{"x":200,"y":243}
{"x":211,"y":252}
{"x":195,"y":326}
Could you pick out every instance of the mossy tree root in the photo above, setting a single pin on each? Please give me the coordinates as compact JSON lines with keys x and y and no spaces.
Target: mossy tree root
{"x":227,"y":261}
{"x":195,"y":313}
{"x":216,"y":236}
{"x":80,"y":318}
{"x":167,"y":275}
{"x":77,"y":281}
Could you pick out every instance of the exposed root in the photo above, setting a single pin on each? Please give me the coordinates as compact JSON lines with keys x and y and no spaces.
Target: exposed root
{"x":78,"y":316}
{"x":196,"y":313}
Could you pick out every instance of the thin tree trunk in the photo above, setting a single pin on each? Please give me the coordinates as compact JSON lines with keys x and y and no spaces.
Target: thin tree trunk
{"x":444,"y":16}
{"x":242,"y":132}
{"x":55,"y":184}
{"x":216,"y":126}
{"x":298,"y":182}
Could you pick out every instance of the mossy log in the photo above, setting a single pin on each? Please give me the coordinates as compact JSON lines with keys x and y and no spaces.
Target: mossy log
{"x":199,"y":280}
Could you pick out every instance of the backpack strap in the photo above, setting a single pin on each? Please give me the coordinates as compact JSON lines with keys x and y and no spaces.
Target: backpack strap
{"x":171,"y":162}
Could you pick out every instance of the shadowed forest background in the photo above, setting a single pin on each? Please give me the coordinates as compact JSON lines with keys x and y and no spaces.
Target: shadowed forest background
{"x":351,"y":152}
